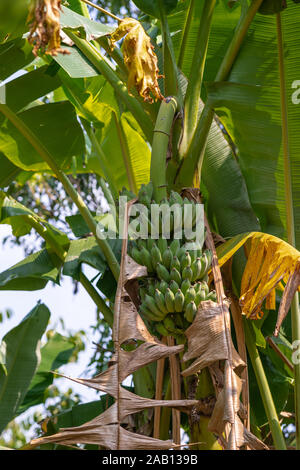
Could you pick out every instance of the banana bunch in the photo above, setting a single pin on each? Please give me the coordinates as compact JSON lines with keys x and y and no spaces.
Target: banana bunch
{"x":178,"y":275}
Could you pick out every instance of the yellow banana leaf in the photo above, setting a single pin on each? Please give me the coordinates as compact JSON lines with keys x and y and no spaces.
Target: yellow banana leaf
{"x":271,"y":261}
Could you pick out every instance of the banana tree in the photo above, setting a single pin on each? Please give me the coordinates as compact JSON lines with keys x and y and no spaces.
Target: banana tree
{"x":188,"y":119}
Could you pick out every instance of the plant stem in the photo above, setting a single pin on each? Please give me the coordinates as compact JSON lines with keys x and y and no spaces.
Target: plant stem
{"x":99,"y":301}
{"x":193,"y":92}
{"x":170,"y":67}
{"x":69,"y":188}
{"x":196,"y":150}
{"x":295,"y":310}
{"x":92,"y":54}
{"x":186,"y":30}
{"x":108,"y":13}
{"x":162,"y":134}
{"x":264,"y":388}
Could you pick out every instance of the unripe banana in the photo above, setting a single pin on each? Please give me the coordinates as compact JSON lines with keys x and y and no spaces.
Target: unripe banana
{"x":200,"y":296}
{"x":185,"y":285}
{"x":160,"y":301}
{"x":136,"y":255}
{"x":189,"y":296}
{"x":190,"y":312}
{"x":174,"y":286}
{"x":156,"y":255}
{"x":162,"y":245}
{"x":179,"y":301}
{"x":209,"y":256}
{"x":175,"y":198}
{"x":146,"y":312}
{"x":142,"y":293}
{"x":212,"y":296}
{"x":175,"y":263}
{"x":151,"y":305}
{"x":167,"y":258}
{"x":162,"y":273}
{"x":196,"y":268}
{"x":163,"y":286}
{"x":178,"y":317}
{"x":175,"y":276}
{"x":150,"y":244}
{"x":161,"y":329}
{"x":146,"y":258}
{"x":205,"y":287}
{"x":145,"y":194}
{"x":151,"y":289}
{"x":169,"y":300}
{"x":175,"y":246}
{"x":187,"y":273}
{"x":169,"y":324}
{"x":185,"y":260}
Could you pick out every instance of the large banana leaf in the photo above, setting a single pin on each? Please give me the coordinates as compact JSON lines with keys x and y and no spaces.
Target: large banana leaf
{"x":22,"y":346}
{"x":249,"y":105}
{"x":55,"y":353}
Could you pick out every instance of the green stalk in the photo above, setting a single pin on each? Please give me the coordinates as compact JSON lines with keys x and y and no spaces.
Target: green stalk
{"x":162,"y":134}
{"x":62,"y":253}
{"x":289,"y":206}
{"x":95,"y":57}
{"x":69,"y":188}
{"x":125,"y":155}
{"x":170,"y":67}
{"x":197,"y":146}
{"x":193,"y":92}
{"x":264,"y":388}
{"x":186,"y":30}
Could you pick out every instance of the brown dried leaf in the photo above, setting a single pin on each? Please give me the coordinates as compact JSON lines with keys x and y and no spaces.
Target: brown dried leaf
{"x":207,"y":339}
{"x":44,"y":20}
{"x":139,"y":58}
{"x":290,"y":289}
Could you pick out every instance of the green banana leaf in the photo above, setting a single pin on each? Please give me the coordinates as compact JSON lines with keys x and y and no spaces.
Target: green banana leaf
{"x":249,"y":105}
{"x":152,"y":7}
{"x":22,"y":345}
{"x":14,"y":55}
{"x":32,"y":273}
{"x":58,"y":129}
{"x":56,"y":353}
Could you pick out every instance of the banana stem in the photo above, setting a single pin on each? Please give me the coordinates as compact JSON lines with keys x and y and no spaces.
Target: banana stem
{"x":108,"y":13}
{"x":264,"y":388}
{"x":95,"y":57}
{"x":193,"y":92}
{"x":161,"y":138}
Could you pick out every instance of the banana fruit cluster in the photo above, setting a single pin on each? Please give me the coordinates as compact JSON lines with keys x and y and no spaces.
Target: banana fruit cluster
{"x":177,"y":281}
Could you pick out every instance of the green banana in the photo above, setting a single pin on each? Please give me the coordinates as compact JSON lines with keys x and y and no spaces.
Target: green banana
{"x":145,"y":311}
{"x":179,"y":320}
{"x":162,"y":245}
{"x":151,"y":305}
{"x":160,"y":301}
{"x":175,"y":198}
{"x":185,"y":285}
{"x":145,"y":194}
{"x":187,"y":273}
{"x":185,"y":260}
{"x":169,"y":300}
{"x":169,"y":324}
{"x":189,"y":296}
{"x":150,"y":244}
{"x":167,"y":258}
{"x":161,"y":329}
{"x":179,"y":301}
{"x":190,"y":312}
{"x":175,"y":263}
{"x":162,"y":272}
{"x":175,"y":276}
{"x":156,"y":255}
{"x":212,"y":296}
{"x":146,"y":258}
{"x":136,"y":255}
{"x":163,"y":286}
{"x":174,"y":286}
{"x":175,"y":246}
{"x":200,"y":296}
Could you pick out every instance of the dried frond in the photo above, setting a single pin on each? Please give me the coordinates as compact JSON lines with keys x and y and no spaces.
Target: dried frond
{"x":44,"y":21}
{"x":139,"y":58}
